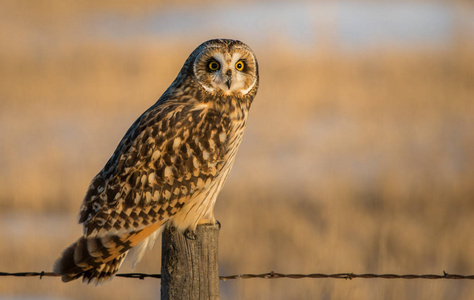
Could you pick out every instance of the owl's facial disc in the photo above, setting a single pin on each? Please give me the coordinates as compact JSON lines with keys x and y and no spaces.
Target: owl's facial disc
{"x":226,"y":76}
{"x":228,"y":72}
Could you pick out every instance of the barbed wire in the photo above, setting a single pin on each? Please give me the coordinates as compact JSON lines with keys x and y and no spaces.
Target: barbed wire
{"x":270,"y":275}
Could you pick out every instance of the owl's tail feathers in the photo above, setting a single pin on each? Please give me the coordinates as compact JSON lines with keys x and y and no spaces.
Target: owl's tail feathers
{"x":98,"y":259}
{"x":92,"y":259}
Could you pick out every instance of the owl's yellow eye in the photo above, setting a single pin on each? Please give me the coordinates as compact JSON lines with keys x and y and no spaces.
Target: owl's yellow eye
{"x":213,"y":66}
{"x":239,"y":66}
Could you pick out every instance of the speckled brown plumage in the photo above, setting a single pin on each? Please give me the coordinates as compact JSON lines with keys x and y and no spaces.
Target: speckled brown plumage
{"x":171,"y":163}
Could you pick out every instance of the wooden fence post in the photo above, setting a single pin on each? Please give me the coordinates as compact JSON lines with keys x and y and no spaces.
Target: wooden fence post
{"x":189,"y":266}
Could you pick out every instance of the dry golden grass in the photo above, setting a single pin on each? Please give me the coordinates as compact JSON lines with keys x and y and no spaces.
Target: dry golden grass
{"x":349,"y":164}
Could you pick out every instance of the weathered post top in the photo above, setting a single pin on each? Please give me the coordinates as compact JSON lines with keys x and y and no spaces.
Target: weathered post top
{"x":189,"y":268}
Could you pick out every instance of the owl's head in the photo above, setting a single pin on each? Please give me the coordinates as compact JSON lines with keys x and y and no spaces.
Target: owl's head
{"x":227,"y":66}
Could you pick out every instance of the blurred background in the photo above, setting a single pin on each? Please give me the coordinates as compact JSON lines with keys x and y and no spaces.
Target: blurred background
{"x":358,"y":155}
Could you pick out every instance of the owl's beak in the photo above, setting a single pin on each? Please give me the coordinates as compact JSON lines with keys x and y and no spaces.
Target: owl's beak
{"x":228,"y":78}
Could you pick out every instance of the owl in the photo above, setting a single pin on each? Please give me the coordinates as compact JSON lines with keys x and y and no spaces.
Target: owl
{"x":171,"y":164}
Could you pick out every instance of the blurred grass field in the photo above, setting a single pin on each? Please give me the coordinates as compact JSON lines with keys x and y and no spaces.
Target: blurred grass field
{"x":350,"y":163}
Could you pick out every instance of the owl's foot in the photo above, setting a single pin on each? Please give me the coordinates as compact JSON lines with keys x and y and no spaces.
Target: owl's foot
{"x":190,"y":234}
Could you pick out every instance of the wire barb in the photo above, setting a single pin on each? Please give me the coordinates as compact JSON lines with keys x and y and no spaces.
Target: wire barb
{"x":270,"y":275}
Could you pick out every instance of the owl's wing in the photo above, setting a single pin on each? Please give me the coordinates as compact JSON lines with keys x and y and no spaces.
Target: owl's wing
{"x":172,"y":154}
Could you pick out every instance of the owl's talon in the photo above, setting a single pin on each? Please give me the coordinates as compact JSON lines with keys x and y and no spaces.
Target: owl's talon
{"x":190,"y":234}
